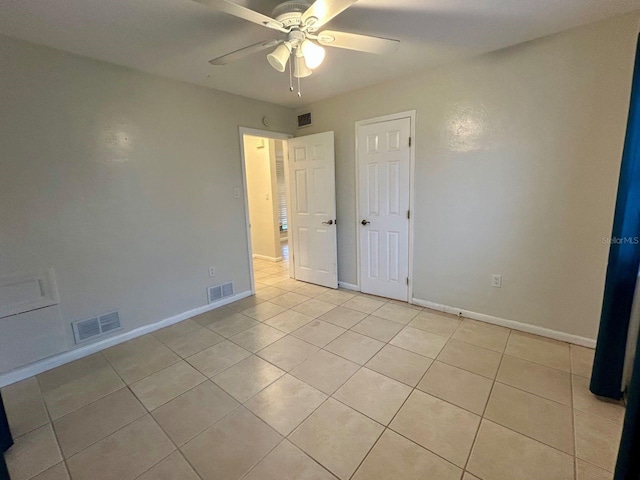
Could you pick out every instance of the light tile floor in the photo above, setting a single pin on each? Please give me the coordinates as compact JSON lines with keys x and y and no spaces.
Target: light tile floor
{"x":303,"y":382}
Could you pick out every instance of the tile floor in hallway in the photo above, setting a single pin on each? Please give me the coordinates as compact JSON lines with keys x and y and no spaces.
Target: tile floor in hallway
{"x":302,"y":382}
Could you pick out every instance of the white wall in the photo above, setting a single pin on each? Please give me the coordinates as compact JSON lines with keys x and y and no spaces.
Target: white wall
{"x":123,"y":183}
{"x":517,"y":163}
{"x":259,"y":157}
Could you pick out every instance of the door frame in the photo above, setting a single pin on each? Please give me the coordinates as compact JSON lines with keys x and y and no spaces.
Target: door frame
{"x":410,"y":114}
{"x":254,"y":132}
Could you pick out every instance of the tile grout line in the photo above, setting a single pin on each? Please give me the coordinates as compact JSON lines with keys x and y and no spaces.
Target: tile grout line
{"x":286,"y":437}
{"x":533,"y":394}
{"x":573,"y":424}
{"x":494,"y":381}
{"x":414,"y":388}
{"x":148,"y":412}
{"x":337,"y":389}
{"x":115,"y":431}
{"x":360,"y":366}
{"x":148,"y":375}
{"x":388,"y":426}
{"x":177,"y":449}
{"x":384,"y":429}
{"x":484,"y":411}
{"x":127,"y":387}
{"x":53,"y":429}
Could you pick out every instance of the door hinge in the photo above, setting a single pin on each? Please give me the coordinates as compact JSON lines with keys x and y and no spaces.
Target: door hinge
{"x":408,"y":213}
{"x":409,"y":141}
{"x":407,"y":280}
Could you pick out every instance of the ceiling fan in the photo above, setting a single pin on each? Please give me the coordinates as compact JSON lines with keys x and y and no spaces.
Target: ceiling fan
{"x":299,"y":21}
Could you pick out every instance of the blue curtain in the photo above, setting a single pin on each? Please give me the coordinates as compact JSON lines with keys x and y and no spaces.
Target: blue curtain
{"x":628,"y":466}
{"x":622,"y":272}
{"x":5,"y":441}
{"x":624,"y":260}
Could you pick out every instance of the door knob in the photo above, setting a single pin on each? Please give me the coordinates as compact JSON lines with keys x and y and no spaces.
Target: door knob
{"x":365,"y":222}
{"x":330,"y":222}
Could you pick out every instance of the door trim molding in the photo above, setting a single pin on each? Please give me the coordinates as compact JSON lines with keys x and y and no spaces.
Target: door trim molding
{"x":410,"y":114}
{"x":274,"y":136}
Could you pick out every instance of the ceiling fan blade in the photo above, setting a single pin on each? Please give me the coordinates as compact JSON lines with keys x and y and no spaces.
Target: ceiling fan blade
{"x":361,"y":43}
{"x":244,"y":13}
{"x":243,"y":52}
{"x":325,"y":10}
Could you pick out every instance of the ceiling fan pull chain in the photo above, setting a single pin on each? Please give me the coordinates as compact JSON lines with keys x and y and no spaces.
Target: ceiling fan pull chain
{"x":299,"y":93}
{"x":290,"y":74}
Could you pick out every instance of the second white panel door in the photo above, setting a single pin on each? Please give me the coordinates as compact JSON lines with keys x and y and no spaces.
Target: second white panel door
{"x":384,"y":164}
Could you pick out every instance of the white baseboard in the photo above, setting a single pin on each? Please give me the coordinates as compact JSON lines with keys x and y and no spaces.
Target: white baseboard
{"x":45,"y":364}
{"x":268,"y":259}
{"x":348,"y":286}
{"x":522,"y":327}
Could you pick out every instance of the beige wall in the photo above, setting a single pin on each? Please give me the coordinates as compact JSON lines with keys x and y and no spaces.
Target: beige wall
{"x":261,"y":196}
{"x":123,"y":183}
{"x":517,"y":161}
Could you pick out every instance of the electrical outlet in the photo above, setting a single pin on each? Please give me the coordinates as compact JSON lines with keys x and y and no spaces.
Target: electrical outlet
{"x":496,"y":281}
{"x":212,"y":271}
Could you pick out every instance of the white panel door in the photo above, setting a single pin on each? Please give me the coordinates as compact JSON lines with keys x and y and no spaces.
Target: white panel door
{"x":384,"y":164}
{"x":313,"y":207}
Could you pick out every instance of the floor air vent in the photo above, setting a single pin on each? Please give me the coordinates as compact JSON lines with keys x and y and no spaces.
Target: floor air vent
{"x":84,"y":330}
{"x":219,"y":292}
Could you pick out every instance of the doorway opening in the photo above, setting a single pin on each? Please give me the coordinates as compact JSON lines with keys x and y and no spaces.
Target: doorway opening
{"x":266,"y":202}
{"x":290,"y":206}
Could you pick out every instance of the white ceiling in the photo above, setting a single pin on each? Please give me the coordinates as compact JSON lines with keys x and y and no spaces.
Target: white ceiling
{"x":177,"y":38}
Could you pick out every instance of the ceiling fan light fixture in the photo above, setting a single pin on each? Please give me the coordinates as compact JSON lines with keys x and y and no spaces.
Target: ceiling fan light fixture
{"x":301,"y":69}
{"x":313,"y":54}
{"x":280,"y":56}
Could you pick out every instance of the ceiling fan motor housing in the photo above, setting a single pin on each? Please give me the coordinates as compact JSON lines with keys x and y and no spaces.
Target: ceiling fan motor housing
{"x":295,"y":38}
{"x":290,"y":13}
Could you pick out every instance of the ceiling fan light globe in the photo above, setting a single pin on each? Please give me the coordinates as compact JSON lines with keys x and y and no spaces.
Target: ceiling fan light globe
{"x":301,"y":69}
{"x":280,"y":56}
{"x":313,"y":54}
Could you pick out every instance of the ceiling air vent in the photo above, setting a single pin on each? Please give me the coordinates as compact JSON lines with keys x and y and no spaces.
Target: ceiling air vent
{"x":94,"y":327}
{"x":304,"y":120}
{"x":218,"y":292}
